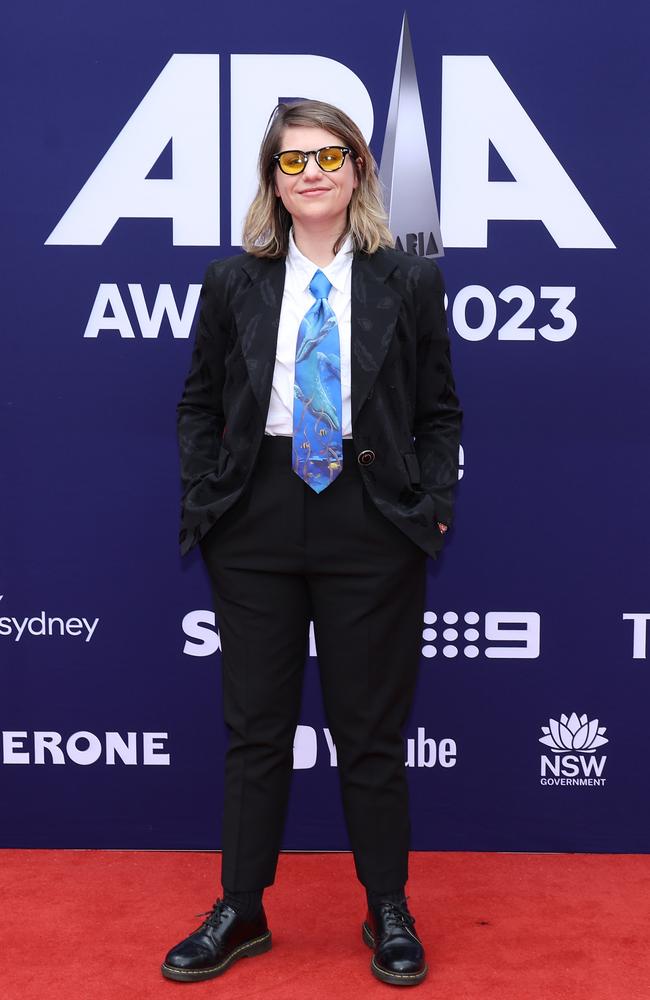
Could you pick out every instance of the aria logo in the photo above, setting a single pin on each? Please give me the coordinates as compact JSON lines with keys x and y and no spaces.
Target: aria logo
{"x":573,"y":738}
{"x":165,"y":162}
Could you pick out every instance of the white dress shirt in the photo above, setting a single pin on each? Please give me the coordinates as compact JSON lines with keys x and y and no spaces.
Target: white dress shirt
{"x":296,"y":301}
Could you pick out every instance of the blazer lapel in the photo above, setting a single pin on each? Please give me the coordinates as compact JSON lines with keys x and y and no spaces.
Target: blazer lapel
{"x":375,"y":307}
{"x":374,"y":310}
{"x":257,"y":315}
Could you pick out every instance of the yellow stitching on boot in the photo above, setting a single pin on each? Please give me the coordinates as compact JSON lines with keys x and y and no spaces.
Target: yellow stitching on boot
{"x":198,"y":972}
{"x":399,"y":975}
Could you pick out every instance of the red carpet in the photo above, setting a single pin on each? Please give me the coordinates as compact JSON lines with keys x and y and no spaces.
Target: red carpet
{"x":93,"y":925}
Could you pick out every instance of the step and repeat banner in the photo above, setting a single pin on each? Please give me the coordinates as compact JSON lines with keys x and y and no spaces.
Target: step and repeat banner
{"x":513,"y":150}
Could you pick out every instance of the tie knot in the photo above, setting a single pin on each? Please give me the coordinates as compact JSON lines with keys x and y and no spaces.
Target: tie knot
{"x":320,"y":285}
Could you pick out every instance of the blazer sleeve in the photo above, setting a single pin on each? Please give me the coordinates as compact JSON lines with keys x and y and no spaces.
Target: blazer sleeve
{"x":438,"y":416}
{"x":200,"y":416}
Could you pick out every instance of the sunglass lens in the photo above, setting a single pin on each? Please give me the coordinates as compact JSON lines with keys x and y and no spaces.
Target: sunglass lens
{"x":292,"y":162}
{"x":330,"y":158}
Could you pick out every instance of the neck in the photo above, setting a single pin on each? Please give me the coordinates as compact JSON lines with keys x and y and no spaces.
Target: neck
{"x":317,"y":243}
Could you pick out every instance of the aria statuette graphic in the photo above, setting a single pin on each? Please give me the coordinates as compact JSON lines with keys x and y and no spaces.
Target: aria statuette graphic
{"x":405,"y":171}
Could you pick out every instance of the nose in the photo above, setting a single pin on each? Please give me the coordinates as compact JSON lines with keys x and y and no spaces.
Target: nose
{"x":312,"y":170}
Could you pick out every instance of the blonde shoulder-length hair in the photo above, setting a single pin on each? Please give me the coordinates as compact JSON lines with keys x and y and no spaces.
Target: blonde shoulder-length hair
{"x":267,"y":224}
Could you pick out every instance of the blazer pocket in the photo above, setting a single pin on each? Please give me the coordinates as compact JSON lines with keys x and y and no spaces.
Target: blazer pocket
{"x":412,"y":467}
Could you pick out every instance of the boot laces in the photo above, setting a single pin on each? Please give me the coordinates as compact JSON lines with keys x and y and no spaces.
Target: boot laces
{"x":397,"y":914}
{"x":214,"y":916}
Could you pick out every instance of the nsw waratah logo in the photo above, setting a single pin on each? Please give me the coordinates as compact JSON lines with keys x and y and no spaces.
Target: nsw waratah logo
{"x":574,"y":740}
{"x":573,"y":733}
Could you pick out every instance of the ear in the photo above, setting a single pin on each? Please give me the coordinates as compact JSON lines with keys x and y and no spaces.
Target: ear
{"x":358,"y":164}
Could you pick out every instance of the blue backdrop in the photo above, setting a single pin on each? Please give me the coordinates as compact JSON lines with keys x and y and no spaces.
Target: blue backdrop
{"x":529,"y":731}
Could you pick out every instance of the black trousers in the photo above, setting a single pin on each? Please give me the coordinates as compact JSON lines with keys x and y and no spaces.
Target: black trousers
{"x":283,"y":555}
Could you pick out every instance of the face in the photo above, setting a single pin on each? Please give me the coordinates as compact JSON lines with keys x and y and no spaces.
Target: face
{"x":314,"y":196}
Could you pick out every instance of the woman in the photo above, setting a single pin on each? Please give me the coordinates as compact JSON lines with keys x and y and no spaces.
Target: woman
{"x":319,"y":433}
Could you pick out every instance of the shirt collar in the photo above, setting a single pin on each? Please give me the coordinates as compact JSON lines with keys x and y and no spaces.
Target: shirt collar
{"x":337,"y":272}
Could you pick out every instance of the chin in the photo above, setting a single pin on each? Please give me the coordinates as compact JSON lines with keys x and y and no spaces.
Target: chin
{"x":316,"y":213}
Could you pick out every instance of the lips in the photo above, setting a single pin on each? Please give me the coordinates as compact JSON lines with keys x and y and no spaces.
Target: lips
{"x":313,"y":191}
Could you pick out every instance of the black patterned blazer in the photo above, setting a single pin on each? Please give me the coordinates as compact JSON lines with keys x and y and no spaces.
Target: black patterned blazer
{"x":405,"y":413}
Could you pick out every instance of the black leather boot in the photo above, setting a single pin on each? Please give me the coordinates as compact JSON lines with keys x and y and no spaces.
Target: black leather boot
{"x":221,"y":939}
{"x":399,"y":955}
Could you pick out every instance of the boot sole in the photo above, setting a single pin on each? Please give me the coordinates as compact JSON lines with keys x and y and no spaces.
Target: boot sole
{"x":394,"y":978}
{"x":256,"y":946}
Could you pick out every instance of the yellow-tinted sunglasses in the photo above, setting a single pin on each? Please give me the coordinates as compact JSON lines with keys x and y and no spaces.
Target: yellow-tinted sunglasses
{"x":329,"y":158}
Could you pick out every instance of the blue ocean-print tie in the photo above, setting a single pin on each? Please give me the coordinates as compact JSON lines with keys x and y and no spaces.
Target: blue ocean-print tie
{"x":317,"y":411}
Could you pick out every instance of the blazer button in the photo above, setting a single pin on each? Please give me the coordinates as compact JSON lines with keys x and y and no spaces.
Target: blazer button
{"x":366,"y":457}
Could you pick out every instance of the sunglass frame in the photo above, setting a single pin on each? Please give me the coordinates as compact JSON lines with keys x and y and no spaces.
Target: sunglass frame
{"x":306,"y":153}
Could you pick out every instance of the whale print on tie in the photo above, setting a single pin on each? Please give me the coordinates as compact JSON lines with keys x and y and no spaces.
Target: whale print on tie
{"x":317,"y":454}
